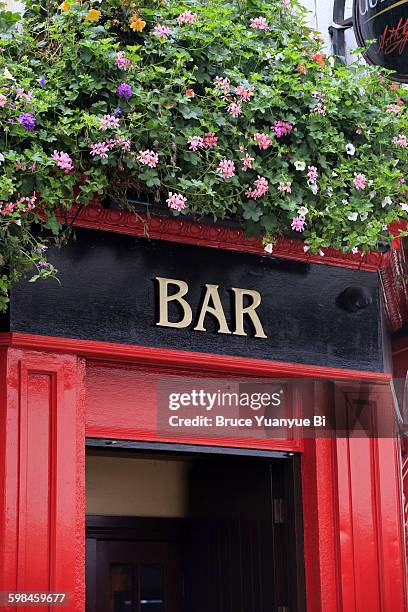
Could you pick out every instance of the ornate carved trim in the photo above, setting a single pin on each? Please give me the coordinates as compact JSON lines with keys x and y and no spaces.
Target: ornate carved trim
{"x":217,"y":236}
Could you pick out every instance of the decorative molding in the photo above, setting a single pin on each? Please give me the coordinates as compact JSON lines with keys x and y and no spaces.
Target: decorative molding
{"x":215,"y":236}
{"x":109,"y":352}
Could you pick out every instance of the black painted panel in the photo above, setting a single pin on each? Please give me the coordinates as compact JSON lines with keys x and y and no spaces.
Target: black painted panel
{"x":107,"y":293}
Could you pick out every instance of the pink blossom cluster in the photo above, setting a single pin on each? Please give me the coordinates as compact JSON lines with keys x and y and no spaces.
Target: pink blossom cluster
{"x":206,"y":141}
{"x":285,"y":187}
{"x":25,"y":204}
{"x":360,"y":180}
{"x":196,"y":142}
{"x":222,"y":83}
{"x":400,"y":140}
{"x":176,"y":201}
{"x":227,"y":168}
{"x":22,"y":95}
{"x":63,"y":161}
{"x":102,"y":148}
{"x":286,"y":3}
{"x":148,"y":157}
{"x":22,"y":166}
{"x":262,"y":140}
{"x":124,"y":143}
{"x":187,"y":18}
{"x":244,"y":93}
{"x":312,"y":173}
{"x":394,"y":108}
{"x":282,"y":128}
{"x":161,"y":31}
{"x":247,"y":162}
{"x":3,"y":100}
{"x":123,"y":62}
{"x":108,"y":121}
{"x":234,"y":109}
{"x":298,"y":223}
{"x":259,"y":23}
{"x":320,"y":109}
{"x":261,"y":188}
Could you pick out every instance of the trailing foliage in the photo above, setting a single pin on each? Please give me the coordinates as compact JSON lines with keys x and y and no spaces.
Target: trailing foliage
{"x":214,"y":107}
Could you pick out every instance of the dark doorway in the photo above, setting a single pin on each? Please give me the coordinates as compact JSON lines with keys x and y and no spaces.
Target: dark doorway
{"x":237,"y":549}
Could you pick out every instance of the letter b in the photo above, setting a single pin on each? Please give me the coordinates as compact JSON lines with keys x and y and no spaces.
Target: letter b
{"x":165,"y":299}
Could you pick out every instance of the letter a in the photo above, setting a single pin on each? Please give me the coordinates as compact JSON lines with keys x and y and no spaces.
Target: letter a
{"x":216,"y":310}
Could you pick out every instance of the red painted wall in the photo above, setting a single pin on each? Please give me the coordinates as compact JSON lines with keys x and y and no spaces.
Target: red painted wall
{"x":351,"y":496}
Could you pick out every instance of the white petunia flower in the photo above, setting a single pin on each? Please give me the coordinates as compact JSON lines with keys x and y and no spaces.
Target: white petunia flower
{"x":345,"y":201}
{"x":404,"y":206}
{"x":300,"y":165}
{"x":350,"y":149}
{"x":386,"y":201}
{"x":364,"y":216}
{"x":354,"y":250}
{"x":352,"y":217}
{"x":334,"y":174}
{"x":303,"y":211}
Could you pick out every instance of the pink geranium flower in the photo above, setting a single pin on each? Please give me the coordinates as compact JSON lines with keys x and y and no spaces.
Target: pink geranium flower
{"x":148,"y":158}
{"x":285,"y":187}
{"x":259,"y":23}
{"x":247,"y":162}
{"x":196,"y":142}
{"x":244,"y":94}
{"x":298,"y":223}
{"x":261,"y":188}
{"x":234,"y":109}
{"x":262,"y":140}
{"x":161,"y":31}
{"x":176,"y":201}
{"x":227,"y":168}
{"x":282,"y":128}
{"x":360,"y":180}
{"x":312,"y":173}
{"x":108,"y":121}
{"x":63,"y":161}
{"x":122,"y":61}
{"x":187,"y":18}
{"x":400,"y":140}
{"x":100,"y":148}
{"x":210,"y":140}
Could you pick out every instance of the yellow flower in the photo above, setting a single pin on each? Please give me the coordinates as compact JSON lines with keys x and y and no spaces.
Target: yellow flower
{"x":93,"y":15}
{"x":64,"y":6}
{"x":137,"y":24}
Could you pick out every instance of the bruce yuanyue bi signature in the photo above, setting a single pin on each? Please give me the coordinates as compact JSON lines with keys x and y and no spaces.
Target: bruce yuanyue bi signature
{"x":394,"y":40}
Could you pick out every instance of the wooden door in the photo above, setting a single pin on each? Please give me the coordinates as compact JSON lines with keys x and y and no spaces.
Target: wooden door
{"x":137,"y":576}
{"x":237,"y":539}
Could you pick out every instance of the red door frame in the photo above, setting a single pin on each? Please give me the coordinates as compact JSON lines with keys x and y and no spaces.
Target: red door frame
{"x":351,"y":491}
{"x":352,"y":498}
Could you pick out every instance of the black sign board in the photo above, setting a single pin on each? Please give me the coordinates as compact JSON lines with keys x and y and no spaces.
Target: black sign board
{"x":386,"y":23}
{"x":143,"y":292}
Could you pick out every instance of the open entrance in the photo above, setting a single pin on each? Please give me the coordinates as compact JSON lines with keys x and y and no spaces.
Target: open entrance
{"x":174,"y":528}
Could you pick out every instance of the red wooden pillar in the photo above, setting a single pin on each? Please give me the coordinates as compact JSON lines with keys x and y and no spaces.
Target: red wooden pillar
{"x":42,"y":507}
